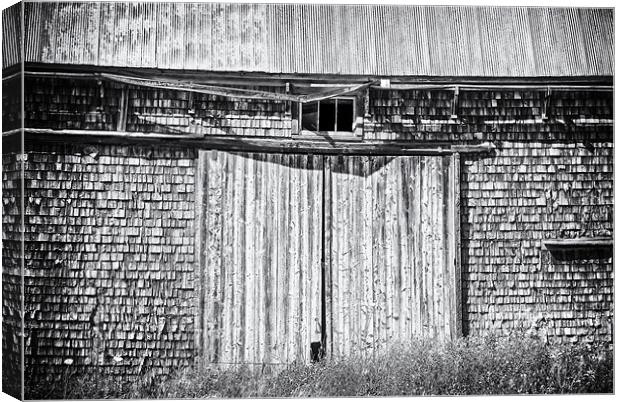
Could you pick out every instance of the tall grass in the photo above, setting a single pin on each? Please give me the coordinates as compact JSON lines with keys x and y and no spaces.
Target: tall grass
{"x":489,"y":365}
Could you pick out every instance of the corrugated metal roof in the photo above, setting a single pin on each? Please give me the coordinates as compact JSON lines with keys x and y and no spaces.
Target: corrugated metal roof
{"x":325,"y":39}
{"x":11,"y":34}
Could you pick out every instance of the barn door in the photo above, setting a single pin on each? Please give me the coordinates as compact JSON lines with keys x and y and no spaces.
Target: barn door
{"x":260,"y":251}
{"x":391,"y":235}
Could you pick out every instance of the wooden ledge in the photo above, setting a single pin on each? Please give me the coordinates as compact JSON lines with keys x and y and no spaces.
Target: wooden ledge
{"x":580,"y":242}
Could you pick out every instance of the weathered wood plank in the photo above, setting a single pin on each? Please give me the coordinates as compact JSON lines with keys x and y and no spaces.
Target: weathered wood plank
{"x":238,"y":247}
{"x":456,"y":213}
{"x":379,"y":251}
{"x":262,"y":258}
{"x":200,"y":236}
{"x":214,"y":250}
{"x":250,"y":296}
{"x":263,"y":145}
{"x":389,"y":250}
{"x":367,"y":308}
{"x":448,"y":240}
{"x":271,"y":263}
{"x":336,"y":223}
{"x":406,"y":243}
{"x":227,"y":269}
{"x":327,"y":270}
{"x":415,"y":249}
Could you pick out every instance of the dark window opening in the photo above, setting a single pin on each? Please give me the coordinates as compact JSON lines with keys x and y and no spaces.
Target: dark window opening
{"x":309,"y":116}
{"x":317,"y":352}
{"x":328,"y":115}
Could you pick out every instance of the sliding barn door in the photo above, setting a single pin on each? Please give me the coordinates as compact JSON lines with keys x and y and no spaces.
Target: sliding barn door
{"x":391,"y":238}
{"x":260,"y":251}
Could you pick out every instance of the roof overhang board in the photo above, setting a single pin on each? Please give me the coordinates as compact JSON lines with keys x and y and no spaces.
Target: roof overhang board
{"x":304,"y":89}
{"x":301,"y":80}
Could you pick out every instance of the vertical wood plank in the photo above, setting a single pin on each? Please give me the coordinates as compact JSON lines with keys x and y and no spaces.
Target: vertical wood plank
{"x":283,"y":265}
{"x":416,"y":248}
{"x":214,"y":250}
{"x":424,"y":259}
{"x":378,"y":250}
{"x":448,"y":283}
{"x":405,"y":245}
{"x":389,"y":250}
{"x":305,"y":280}
{"x":348,"y":236}
{"x":270,"y":261}
{"x":226,"y":273}
{"x":237,"y":267}
{"x":250,"y":219}
{"x":337,"y":321}
{"x":294,"y":268}
{"x":456,"y":243}
{"x":438,"y":266}
{"x":261,"y":244}
{"x":327,"y":257}
{"x":368,"y":306}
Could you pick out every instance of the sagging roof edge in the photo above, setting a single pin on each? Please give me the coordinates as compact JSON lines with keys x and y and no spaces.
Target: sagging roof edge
{"x":277,"y":79}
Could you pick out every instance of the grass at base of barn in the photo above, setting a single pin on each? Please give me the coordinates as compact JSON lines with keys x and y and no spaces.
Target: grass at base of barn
{"x":514,"y":365}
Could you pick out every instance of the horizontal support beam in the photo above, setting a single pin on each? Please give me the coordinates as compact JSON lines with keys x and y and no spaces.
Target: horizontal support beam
{"x":463,"y":86}
{"x":275,"y":79}
{"x":325,"y":145}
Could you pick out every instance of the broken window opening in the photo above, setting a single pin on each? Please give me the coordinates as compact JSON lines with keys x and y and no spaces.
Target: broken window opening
{"x":328,"y":115}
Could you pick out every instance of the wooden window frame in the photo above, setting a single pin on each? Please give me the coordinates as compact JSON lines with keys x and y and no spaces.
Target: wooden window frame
{"x":356,"y":129}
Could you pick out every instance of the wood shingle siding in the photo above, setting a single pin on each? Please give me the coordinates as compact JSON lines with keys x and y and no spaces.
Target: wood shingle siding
{"x":12,"y":280}
{"x":110,"y":258}
{"x":308,"y":38}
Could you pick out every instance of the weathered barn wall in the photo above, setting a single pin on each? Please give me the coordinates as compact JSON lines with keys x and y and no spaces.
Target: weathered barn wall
{"x":83,"y":104}
{"x":529,"y":192}
{"x":546,"y":180}
{"x":12,"y":255}
{"x":114,"y":224}
{"x":12,"y":288}
{"x":110,"y":258}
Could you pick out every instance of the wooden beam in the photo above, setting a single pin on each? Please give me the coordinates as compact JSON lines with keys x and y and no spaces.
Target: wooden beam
{"x":340,"y":84}
{"x":266,"y":79}
{"x":254,"y":144}
{"x":326,"y":264}
{"x":458,"y":286}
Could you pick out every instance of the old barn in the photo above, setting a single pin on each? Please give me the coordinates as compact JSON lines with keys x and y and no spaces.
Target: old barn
{"x":274,"y":183}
